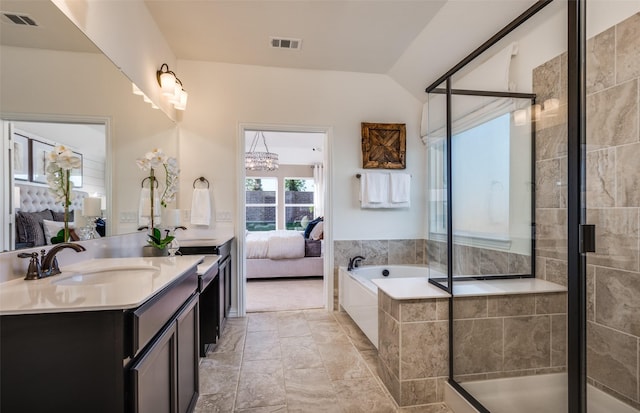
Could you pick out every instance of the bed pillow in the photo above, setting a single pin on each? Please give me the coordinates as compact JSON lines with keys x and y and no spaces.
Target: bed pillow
{"x":310,"y":226}
{"x":59,"y":216}
{"x":51,"y":229}
{"x":317,"y":231}
{"x":32,"y":226}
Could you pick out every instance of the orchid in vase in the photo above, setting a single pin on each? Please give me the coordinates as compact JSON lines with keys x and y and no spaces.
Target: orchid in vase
{"x":153,"y":161}
{"x":61,"y":161}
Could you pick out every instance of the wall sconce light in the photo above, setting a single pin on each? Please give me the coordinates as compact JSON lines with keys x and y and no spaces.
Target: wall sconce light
{"x":172,"y":87}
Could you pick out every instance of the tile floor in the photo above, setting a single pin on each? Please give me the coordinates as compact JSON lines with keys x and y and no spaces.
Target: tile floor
{"x":295,"y":361}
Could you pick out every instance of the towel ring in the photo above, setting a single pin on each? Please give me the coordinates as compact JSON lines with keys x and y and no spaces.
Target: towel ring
{"x":201,"y":179}
{"x":149,"y":178}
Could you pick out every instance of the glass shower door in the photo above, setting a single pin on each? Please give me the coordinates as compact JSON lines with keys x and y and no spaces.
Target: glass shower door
{"x":613,"y":205}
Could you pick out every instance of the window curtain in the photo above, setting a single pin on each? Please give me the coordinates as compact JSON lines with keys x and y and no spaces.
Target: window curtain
{"x":318,"y":196}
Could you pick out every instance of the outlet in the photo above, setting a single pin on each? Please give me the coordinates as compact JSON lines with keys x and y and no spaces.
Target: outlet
{"x":128,"y":217}
{"x":223,"y":216}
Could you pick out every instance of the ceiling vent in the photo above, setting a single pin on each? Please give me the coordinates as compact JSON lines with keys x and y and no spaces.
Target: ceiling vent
{"x":284,"y":43}
{"x":18,"y":18}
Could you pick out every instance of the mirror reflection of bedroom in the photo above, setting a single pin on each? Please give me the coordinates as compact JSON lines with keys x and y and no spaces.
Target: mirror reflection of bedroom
{"x":284,"y":215}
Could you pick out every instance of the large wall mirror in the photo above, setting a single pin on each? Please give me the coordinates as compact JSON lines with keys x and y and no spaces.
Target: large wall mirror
{"x":56,"y":87}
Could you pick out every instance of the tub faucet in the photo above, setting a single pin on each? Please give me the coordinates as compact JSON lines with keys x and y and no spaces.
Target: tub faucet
{"x":49,"y":264}
{"x":355,"y":262}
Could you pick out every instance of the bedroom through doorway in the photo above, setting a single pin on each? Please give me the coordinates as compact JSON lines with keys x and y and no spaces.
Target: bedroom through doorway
{"x":284,"y":220}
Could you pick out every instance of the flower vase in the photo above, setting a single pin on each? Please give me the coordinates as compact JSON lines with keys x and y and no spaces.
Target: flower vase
{"x":151,"y":251}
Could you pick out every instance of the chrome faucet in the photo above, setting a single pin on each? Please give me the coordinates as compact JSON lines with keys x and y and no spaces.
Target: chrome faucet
{"x":49,"y":265}
{"x":355,"y":262}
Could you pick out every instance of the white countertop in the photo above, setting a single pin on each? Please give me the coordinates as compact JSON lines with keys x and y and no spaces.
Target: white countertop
{"x":505,"y":287}
{"x":207,"y":262}
{"x":409,"y":288}
{"x":127,"y":283}
{"x":419,"y":288}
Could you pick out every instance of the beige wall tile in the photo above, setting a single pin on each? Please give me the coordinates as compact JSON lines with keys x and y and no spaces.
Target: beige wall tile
{"x":389,"y":342}
{"x":612,"y":359}
{"x":511,"y":305}
{"x":469,"y":307}
{"x":418,"y":310}
{"x":466,"y":260}
{"x":616,"y":238}
{"x":477,"y":346}
{"x":627,"y":174}
{"x":628,"y":48}
{"x":553,"y":303}
{"x":591,"y":292}
{"x":556,"y":271}
{"x":551,"y":142}
{"x":548,"y":176}
{"x":493,"y":262}
{"x":424,"y":350}
{"x":527,"y":342}
{"x":415,"y":392}
{"x":601,"y":178}
{"x":551,"y":225}
{"x":558,"y":340}
{"x":402,"y":251}
{"x":546,"y":80}
{"x":612,"y":116}
{"x":343,"y":250}
{"x":601,"y":61}
{"x":617,"y":300}
{"x":375,"y":252}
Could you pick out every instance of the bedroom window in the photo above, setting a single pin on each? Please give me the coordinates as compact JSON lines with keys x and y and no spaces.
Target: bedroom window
{"x":298,"y":202}
{"x":261,"y":203}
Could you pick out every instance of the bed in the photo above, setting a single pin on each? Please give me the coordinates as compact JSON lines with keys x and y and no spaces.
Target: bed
{"x":282,"y":253}
{"x":40,"y":215}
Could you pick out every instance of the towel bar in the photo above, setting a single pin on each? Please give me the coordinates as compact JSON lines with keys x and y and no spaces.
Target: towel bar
{"x":201,"y":179}
{"x":360,"y":175}
{"x":149,"y":178}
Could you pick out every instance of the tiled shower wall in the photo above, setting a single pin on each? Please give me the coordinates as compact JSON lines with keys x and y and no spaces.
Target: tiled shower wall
{"x":613,"y":201}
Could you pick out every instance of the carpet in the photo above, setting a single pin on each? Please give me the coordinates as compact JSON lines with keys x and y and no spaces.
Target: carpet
{"x":284,"y":294}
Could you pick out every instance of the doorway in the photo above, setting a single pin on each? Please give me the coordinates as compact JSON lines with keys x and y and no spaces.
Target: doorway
{"x":283,"y":214}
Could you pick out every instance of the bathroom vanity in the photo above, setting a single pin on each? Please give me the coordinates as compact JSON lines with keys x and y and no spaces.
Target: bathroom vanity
{"x":124,"y":339}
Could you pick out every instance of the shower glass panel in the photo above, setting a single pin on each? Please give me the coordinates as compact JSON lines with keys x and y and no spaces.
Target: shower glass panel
{"x":435,"y":132}
{"x":613,"y":205}
{"x":492,"y":217}
{"x":509,"y":219}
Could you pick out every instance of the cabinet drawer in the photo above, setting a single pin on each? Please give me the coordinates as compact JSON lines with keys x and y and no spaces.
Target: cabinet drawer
{"x":151,"y":317}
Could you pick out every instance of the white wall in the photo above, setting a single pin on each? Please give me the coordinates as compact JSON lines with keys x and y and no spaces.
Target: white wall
{"x":226,"y":95}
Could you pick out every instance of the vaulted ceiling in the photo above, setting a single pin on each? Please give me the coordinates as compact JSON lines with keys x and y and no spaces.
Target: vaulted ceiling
{"x":413,"y":41}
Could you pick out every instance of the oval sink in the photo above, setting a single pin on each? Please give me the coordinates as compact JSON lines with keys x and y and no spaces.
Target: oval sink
{"x":107,"y":276}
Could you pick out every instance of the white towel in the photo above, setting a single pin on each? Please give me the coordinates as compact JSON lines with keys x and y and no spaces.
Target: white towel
{"x":144,"y":207}
{"x":375,"y":187}
{"x":400,"y":188}
{"x":200,"y":207}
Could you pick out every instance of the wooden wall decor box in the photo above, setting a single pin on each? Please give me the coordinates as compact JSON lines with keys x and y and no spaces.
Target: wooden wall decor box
{"x":384,"y":145}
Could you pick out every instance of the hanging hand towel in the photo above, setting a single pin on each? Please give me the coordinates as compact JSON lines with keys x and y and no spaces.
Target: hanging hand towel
{"x":200,"y":207}
{"x":144,"y":207}
{"x":400,"y":189}
{"x":374,"y":187}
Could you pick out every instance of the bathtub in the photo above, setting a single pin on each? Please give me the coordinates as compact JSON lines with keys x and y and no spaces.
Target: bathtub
{"x":359,"y":295}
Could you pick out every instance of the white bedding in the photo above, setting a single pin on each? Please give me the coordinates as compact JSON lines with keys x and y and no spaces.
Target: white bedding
{"x":275,"y":245}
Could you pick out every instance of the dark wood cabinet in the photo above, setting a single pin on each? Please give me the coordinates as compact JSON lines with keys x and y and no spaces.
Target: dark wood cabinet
{"x":164,"y":378}
{"x":139,"y":360}
{"x":215,"y":293}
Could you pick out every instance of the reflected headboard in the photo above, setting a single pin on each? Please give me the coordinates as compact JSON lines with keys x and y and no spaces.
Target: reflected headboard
{"x":35,"y":198}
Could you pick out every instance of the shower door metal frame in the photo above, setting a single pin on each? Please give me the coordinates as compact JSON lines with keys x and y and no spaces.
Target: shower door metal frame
{"x":576,"y":202}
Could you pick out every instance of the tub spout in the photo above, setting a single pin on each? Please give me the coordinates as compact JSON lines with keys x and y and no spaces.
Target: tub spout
{"x":355,"y":262}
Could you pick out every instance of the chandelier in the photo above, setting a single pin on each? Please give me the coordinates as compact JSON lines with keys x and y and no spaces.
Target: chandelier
{"x":260,"y":161}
